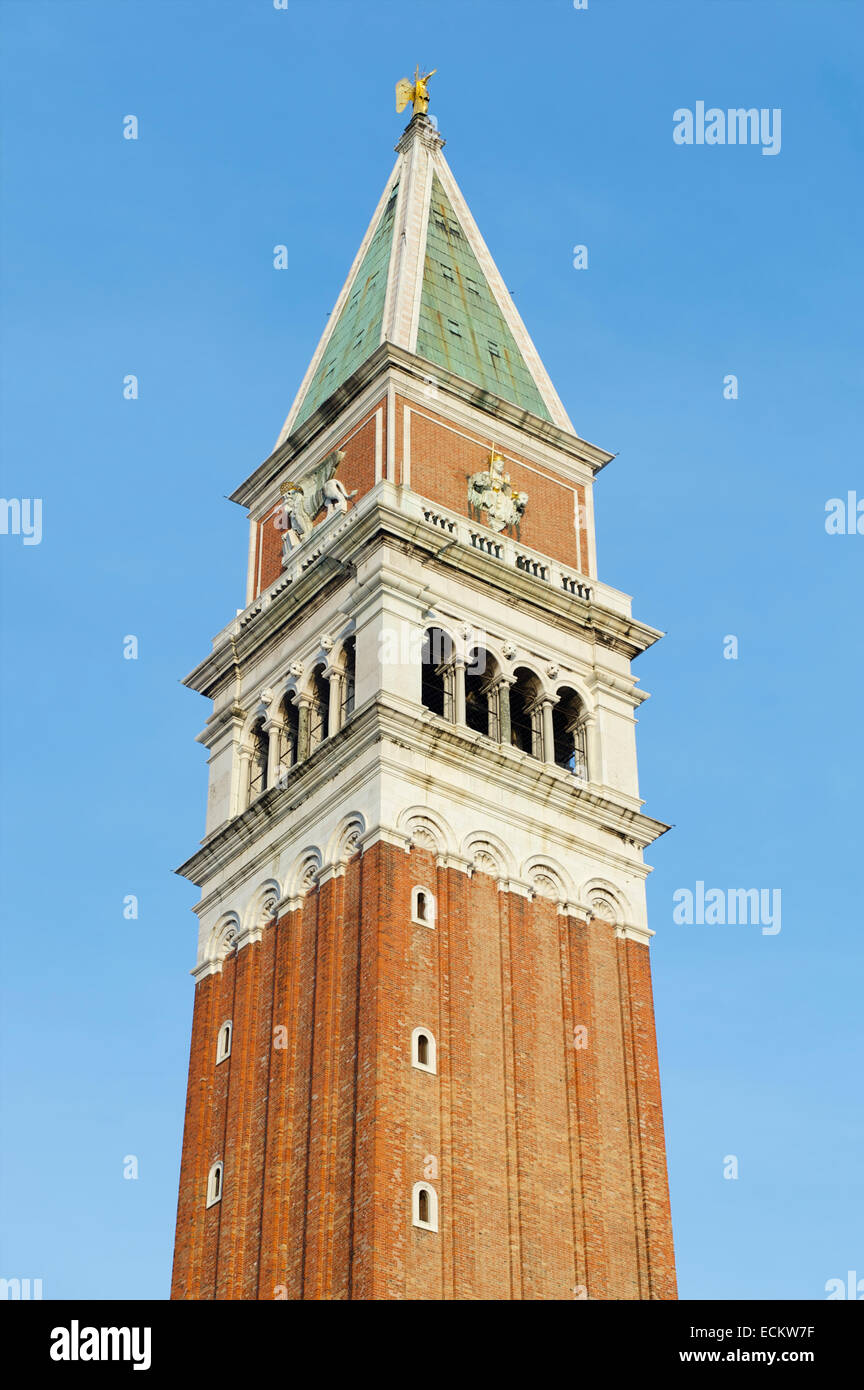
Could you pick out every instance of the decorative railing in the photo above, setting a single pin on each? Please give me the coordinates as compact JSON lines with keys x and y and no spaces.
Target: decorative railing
{"x":511,"y":552}
{"x":323,"y":544}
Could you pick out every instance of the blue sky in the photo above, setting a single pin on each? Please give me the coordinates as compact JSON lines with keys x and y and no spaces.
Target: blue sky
{"x":154,"y":257}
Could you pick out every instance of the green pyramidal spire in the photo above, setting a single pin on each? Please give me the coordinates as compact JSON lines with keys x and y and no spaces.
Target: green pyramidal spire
{"x":424,"y":280}
{"x":461,"y":325}
{"x":357,"y":331}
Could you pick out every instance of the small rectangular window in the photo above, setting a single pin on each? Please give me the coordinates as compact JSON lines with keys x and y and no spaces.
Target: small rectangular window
{"x":471,"y":285}
{"x":448,"y":273}
{"x":454,"y":328}
{"x":494,"y":350}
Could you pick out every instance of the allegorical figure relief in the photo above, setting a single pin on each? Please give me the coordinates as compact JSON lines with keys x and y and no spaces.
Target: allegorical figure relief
{"x":303,"y":499}
{"x":490,"y":492}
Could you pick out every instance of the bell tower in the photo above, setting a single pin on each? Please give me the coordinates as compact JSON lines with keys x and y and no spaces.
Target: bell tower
{"x":423,"y":1059}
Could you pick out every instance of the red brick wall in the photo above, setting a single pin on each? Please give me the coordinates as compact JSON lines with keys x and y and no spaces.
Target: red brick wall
{"x":441,"y":461}
{"x":647,"y":1119}
{"x":442,"y":458}
{"x":550,"y":1158}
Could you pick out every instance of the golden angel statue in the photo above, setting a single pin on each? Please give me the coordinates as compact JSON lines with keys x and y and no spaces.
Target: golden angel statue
{"x":415,"y":91}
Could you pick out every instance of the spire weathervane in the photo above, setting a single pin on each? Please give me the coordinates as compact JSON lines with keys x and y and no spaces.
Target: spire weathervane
{"x":416,"y":91}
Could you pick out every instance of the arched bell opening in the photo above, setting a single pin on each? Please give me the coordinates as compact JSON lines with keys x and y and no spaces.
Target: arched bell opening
{"x":482,"y":713}
{"x":258,"y":761}
{"x":569,"y":733}
{"x":525,"y":721}
{"x":319,"y":708}
{"x":436,"y":680}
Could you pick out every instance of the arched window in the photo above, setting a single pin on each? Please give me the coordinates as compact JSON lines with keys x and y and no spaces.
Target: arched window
{"x":214,"y":1184}
{"x":481,"y":694}
{"x":223,"y":1042}
{"x":568,"y":725}
{"x":525,"y":726}
{"x":436,"y":679}
{"x":423,"y":1050}
{"x":425,"y":1206}
{"x":422,"y":907}
{"x":288,"y":738}
{"x":319,"y":712}
{"x":350,"y":670}
{"x":258,"y":765}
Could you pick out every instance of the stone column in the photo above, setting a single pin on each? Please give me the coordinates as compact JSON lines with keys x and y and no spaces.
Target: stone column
{"x":457,"y":667}
{"x":304,"y":705}
{"x":548,"y":728}
{"x":273,"y":730}
{"x":594,"y":772}
{"x":334,"y":707}
{"x":502,"y":694}
{"x":243,"y":780}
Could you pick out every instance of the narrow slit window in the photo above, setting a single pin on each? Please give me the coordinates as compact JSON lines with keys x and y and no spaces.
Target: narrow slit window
{"x":423,"y":907}
{"x":423,"y":1050}
{"x":425,"y":1206}
{"x":223,"y":1045}
{"x":214,"y":1184}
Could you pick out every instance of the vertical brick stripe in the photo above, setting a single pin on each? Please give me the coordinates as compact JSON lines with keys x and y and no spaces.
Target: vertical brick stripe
{"x":657,"y":1214}
{"x":548,"y":1160}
